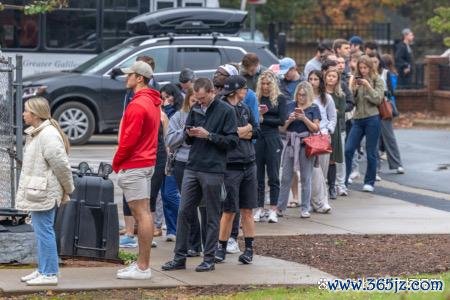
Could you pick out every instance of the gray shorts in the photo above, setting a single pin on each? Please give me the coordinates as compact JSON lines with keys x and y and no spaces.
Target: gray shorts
{"x":135,"y":183}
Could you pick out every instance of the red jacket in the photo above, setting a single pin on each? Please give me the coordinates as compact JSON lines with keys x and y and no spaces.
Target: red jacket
{"x":138,"y":133}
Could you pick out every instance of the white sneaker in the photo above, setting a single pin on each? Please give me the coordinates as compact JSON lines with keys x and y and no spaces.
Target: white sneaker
{"x":350,"y":181}
{"x":368,"y":188}
{"x":154,"y":244}
{"x":324,"y":209}
{"x":170,"y":238}
{"x":273,"y":216}
{"x":126,"y":269}
{"x":30,"y":276}
{"x":232,"y":246}
{"x":305,"y":214}
{"x":134,"y":273}
{"x":383,"y":155}
{"x":400,"y":170}
{"x":342,"y":191}
{"x":258,"y":214}
{"x":377,"y":178}
{"x":354,"y":175}
{"x":42,"y":279}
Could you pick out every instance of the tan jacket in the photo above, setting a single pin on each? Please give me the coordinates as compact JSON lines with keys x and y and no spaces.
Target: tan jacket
{"x":367,"y":100}
{"x":46,"y":175}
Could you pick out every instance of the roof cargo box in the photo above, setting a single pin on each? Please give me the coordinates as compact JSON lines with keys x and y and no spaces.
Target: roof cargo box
{"x":188,"y":21}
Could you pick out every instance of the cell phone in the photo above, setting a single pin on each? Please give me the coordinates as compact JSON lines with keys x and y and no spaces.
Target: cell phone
{"x":263,"y":106}
{"x":358,"y":77}
{"x":189,"y":127}
{"x":298,"y":110}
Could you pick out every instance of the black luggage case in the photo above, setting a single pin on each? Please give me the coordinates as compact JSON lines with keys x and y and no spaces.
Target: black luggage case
{"x":88,"y":224}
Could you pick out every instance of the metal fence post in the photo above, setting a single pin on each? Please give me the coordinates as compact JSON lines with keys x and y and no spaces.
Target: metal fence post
{"x":10,"y":108}
{"x":19,"y":111}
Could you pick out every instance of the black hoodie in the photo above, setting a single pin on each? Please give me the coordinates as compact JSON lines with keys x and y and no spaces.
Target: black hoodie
{"x":210,"y":155}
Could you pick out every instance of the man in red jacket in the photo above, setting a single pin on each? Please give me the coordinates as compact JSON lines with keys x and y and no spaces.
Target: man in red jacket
{"x":135,"y":159}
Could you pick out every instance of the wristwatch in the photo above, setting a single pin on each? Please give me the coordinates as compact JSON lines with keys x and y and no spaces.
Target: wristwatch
{"x":210,"y":136}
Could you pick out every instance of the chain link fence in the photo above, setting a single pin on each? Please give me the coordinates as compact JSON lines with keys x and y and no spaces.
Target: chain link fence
{"x":6,"y":134}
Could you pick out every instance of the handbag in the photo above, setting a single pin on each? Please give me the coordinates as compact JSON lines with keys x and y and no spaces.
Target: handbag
{"x":385,"y":109}
{"x":317,"y":144}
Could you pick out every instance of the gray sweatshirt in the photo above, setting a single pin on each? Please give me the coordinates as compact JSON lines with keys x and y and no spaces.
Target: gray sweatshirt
{"x":328,"y":114}
{"x":175,"y":136}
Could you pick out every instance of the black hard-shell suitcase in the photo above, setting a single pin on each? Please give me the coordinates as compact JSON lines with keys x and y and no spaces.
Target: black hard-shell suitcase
{"x":88,"y":224}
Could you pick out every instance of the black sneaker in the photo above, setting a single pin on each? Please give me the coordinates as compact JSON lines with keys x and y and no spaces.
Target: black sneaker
{"x":205,"y":267}
{"x":220,"y":254}
{"x":333,"y":194}
{"x":174,"y":265}
{"x":246,"y":257}
{"x":193,"y":253}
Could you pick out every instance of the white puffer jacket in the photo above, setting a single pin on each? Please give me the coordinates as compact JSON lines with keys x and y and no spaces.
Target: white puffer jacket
{"x":46,"y":175}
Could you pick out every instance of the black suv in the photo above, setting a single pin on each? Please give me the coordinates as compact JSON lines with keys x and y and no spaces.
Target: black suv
{"x":90,"y":98}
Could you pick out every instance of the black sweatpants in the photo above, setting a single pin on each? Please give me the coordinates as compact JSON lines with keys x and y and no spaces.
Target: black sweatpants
{"x":268,"y":155}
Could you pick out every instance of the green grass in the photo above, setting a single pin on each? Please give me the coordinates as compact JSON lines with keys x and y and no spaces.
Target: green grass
{"x":314,"y":293}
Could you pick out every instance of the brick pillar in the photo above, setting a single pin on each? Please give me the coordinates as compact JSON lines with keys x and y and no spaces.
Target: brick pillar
{"x":431,"y":76}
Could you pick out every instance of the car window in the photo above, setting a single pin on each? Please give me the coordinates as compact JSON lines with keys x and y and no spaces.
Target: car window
{"x":234,"y":55}
{"x":159,"y":55}
{"x":198,"y":58}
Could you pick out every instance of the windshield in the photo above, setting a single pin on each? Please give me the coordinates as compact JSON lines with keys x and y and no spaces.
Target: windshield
{"x":103,"y":59}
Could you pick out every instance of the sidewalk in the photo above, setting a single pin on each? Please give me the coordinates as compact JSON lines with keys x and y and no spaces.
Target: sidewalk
{"x":361,"y":213}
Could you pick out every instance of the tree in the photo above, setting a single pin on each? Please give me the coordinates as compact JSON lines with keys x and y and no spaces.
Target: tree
{"x":440,"y":23}
{"x":38,"y":6}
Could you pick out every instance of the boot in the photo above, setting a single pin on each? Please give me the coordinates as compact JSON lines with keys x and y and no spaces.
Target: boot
{"x":331,"y":177}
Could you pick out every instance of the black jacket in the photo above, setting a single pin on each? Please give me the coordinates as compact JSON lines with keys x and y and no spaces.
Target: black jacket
{"x":244,"y":153}
{"x":276,"y":116}
{"x":210,"y":155}
{"x":403,"y":58}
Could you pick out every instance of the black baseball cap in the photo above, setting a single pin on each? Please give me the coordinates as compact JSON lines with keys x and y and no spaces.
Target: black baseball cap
{"x":232,"y":84}
{"x":186,"y":75}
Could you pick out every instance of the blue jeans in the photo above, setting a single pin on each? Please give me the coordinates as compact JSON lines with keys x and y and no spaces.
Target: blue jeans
{"x":46,"y":241}
{"x":171,"y":203}
{"x":369,"y":127}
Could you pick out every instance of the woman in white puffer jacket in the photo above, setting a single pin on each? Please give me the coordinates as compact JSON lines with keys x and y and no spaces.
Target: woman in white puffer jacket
{"x":45,"y":181}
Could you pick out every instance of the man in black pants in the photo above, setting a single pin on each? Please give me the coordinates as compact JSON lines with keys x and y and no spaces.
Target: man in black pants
{"x":211,"y":129}
{"x":240,"y":176}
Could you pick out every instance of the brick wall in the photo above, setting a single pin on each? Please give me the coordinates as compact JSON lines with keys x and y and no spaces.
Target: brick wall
{"x":428,"y":98}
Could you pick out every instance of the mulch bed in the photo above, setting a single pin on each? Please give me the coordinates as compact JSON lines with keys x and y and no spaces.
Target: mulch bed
{"x":352,"y":256}
{"x":406,"y":119}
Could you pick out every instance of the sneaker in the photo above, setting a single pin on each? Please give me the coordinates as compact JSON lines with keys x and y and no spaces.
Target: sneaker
{"x":135,"y":273}
{"x":30,"y":276}
{"x":273,"y":216}
{"x":350,"y":181}
{"x":220,"y":254}
{"x":280,"y":213}
{"x":233,"y":246}
{"x":170,"y":238}
{"x":333,"y":193}
{"x":126,"y":269}
{"x":258,"y":215}
{"x":127,"y":241}
{"x":400,"y":170}
{"x":341,"y":191}
{"x":154,"y":244}
{"x":377,"y":178}
{"x":42,"y":279}
{"x":383,"y":155}
{"x":157,"y":232}
{"x":305,"y":214}
{"x":368,"y":188}
{"x":324,"y":209}
{"x":246,"y":257}
{"x":354,"y":175}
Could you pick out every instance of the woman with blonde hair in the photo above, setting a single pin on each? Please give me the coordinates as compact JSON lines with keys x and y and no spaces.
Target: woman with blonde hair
{"x":272,"y":108}
{"x":304,"y":119}
{"x":45,"y":181}
{"x":368,"y":88}
{"x":333,"y":87}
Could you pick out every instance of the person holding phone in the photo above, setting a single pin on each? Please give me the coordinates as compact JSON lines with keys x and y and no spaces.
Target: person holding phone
{"x":273,"y":113}
{"x":304,"y":119}
{"x":368,"y":88}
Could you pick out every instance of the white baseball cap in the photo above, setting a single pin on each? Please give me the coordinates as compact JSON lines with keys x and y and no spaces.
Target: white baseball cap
{"x":140,"y":68}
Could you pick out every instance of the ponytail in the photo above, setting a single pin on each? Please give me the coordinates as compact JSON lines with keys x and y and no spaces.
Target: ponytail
{"x":63,"y":135}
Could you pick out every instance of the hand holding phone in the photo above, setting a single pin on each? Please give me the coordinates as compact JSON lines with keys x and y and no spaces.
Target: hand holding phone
{"x":263,"y":108}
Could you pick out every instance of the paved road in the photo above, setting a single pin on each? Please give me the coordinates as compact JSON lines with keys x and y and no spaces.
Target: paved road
{"x":423,"y":151}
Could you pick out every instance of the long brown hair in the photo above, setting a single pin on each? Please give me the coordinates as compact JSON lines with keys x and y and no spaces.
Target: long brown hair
{"x":39,"y":107}
{"x":337,"y":88}
{"x":186,"y":105}
{"x":365,"y":59}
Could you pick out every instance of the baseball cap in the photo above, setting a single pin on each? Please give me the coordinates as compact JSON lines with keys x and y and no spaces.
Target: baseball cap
{"x":230,"y":69}
{"x":186,"y":75}
{"x":232,"y":84}
{"x":356,"y":40}
{"x":286,"y":64}
{"x":140,"y":68}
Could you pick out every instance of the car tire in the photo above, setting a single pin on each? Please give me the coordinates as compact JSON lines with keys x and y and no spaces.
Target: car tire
{"x":76,"y":120}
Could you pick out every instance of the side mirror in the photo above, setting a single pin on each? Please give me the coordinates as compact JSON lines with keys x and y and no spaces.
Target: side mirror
{"x":116,"y":72}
